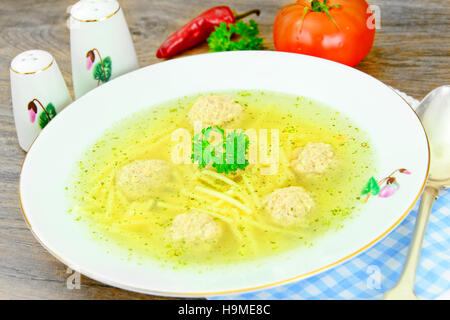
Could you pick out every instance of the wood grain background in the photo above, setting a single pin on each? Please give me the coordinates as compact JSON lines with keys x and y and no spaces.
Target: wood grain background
{"x":411,"y":53}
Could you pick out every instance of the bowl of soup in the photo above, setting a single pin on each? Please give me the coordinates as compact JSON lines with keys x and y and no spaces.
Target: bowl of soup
{"x":223,"y":173}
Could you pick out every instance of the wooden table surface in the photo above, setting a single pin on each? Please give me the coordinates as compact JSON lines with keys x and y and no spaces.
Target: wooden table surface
{"x":411,"y":52}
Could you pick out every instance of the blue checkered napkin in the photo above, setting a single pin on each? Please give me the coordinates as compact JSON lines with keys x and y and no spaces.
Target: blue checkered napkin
{"x":371,"y":273}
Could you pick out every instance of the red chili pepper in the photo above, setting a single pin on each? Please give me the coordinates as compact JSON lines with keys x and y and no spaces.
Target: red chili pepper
{"x":198,"y":30}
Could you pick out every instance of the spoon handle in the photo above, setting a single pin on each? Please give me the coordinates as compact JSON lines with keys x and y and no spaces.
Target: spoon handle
{"x":404,"y":289}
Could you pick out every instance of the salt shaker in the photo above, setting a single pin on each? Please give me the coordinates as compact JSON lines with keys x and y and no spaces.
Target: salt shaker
{"x":38,"y":93}
{"x":100,"y":43}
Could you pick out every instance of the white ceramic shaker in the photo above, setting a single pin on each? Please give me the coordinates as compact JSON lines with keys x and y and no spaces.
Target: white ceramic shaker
{"x":100,"y":43}
{"x":38,"y":93}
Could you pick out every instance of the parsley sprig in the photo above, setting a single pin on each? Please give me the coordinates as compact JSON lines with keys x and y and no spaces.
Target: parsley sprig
{"x":222,"y":38}
{"x":228,"y":158}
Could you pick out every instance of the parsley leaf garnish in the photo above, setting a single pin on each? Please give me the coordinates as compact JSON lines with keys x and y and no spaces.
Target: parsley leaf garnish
{"x":221,"y":38}
{"x":225,"y":158}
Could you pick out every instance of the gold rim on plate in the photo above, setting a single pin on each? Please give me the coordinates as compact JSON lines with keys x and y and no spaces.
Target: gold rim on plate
{"x":264,"y":286}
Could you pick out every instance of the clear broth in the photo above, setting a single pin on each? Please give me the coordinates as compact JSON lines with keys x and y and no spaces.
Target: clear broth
{"x":141,"y":227}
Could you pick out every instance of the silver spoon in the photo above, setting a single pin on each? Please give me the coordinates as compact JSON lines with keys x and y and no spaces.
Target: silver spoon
{"x":434,"y":110}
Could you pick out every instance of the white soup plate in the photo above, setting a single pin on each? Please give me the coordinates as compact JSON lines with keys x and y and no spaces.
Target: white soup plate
{"x":395,"y":131}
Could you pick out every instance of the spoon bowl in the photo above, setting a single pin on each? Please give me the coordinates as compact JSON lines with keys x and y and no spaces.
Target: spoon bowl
{"x":434,"y":111}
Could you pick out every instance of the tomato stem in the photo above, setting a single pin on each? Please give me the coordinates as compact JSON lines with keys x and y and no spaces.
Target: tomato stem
{"x":305,"y":11}
{"x":317,"y":6}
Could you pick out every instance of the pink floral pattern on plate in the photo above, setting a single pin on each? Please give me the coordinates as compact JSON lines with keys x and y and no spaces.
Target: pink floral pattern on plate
{"x":385,"y":187}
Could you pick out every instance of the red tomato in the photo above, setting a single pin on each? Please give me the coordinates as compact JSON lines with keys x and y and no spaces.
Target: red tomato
{"x":345,"y":36}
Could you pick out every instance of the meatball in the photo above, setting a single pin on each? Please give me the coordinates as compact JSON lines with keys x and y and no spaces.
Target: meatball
{"x":214,"y":110}
{"x":288,"y":205}
{"x":139,"y":178}
{"x":194,"y":226}
{"x":313,"y":158}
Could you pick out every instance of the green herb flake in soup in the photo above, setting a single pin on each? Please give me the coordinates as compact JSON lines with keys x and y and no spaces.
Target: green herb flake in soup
{"x":130,"y":194}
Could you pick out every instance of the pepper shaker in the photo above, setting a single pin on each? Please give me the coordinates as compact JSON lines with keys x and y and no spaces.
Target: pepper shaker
{"x":100,"y":43}
{"x":38,"y":93}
